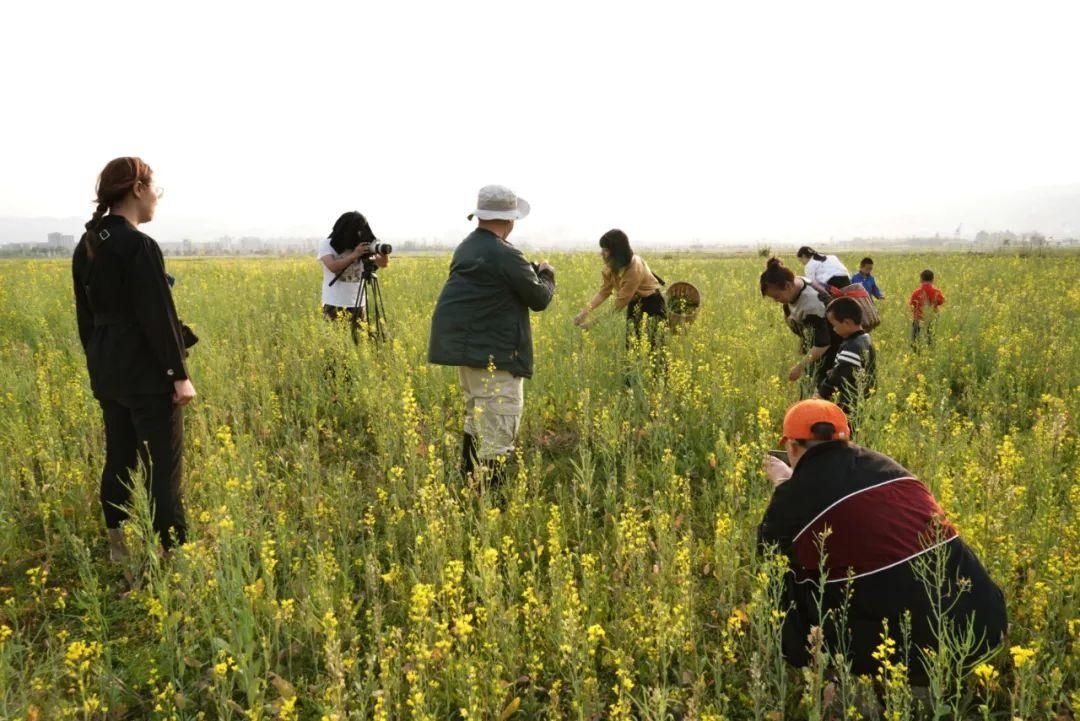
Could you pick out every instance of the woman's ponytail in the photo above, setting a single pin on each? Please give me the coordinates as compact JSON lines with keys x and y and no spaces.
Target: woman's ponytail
{"x":776,"y":275}
{"x":807,"y":252}
{"x":92,"y":228}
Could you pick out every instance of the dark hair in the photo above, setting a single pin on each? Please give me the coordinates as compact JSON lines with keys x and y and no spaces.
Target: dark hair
{"x":822,"y":431}
{"x":845,"y":309}
{"x":618,"y":246}
{"x":807,"y":252}
{"x":349,"y":230}
{"x":114,"y":182}
{"x":927,"y":276}
{"x":866,"y":261}
{"x":775,"y":275}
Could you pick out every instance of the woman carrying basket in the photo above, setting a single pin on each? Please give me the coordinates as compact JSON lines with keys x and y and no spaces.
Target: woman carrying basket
{"x":636,"y":288}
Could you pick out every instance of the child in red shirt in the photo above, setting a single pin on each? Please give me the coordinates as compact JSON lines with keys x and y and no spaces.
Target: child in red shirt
{"x":926,"y":297}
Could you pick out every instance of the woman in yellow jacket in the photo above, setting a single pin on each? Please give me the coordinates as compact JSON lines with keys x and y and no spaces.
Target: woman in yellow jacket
{"x":636,"y":288}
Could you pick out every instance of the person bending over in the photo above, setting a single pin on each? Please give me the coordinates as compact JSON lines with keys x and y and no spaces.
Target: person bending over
{"x":824,"y":271}
{"x":804,"y":311}
{"x":342,"y":252}
{"x":636,"y":287}
{"x":883,"y":545}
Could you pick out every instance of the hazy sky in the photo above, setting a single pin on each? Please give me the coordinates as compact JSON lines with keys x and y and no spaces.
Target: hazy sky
{"x":675,"y":121}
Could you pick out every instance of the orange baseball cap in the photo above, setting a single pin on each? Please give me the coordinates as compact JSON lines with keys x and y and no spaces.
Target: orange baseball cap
{"x":801,"y":417}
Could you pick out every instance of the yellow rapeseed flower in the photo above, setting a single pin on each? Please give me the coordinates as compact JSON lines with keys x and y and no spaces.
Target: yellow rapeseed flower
{"x":1021,"y":656}
{"x":986,"y":674}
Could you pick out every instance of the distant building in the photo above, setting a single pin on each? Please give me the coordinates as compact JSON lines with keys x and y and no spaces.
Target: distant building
{"x":59,"y":241}
{"x":1006,"y":237}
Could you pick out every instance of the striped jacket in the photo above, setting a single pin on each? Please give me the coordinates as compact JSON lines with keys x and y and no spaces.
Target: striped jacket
{"x":853,"y":373}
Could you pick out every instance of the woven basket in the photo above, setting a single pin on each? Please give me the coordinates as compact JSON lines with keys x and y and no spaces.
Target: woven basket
{"x":683,"y":302}
{"x":855,"y":291}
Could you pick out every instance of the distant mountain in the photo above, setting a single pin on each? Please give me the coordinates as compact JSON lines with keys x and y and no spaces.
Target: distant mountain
{"x":1053,"y":211}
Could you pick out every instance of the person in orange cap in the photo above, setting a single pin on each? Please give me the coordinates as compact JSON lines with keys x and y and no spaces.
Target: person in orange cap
{"x":850,"y":515}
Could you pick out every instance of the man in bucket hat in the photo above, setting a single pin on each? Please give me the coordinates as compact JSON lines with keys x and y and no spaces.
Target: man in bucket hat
{"x":844,"y":515}
{"x":481,"y":325}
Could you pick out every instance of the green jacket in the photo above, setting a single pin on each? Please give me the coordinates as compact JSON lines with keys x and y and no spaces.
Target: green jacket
{"x":482,"y":315}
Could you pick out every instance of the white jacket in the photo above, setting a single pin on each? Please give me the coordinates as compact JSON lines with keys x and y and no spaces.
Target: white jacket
{"x":821,"y":270}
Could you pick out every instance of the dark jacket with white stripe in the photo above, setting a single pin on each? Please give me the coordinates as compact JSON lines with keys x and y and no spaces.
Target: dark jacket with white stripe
{"x":853,"y":374}
{"x":851,"y":515}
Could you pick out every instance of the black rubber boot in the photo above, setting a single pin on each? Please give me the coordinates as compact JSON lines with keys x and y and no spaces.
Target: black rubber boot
{"x":468,"y":454}
{"x":495,"y":471}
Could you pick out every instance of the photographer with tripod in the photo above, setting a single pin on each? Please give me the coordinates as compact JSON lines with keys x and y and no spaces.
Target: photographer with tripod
{"x":350,"y":257}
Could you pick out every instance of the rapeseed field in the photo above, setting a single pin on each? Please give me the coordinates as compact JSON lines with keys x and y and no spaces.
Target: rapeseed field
{"x":339,"y":568}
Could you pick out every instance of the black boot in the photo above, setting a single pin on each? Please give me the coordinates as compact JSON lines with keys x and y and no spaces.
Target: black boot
{"x":468,"y":454}
{"x":494,"y":471}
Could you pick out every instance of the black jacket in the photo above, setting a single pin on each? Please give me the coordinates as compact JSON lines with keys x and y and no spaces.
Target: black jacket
{"x":482,"y":315}
{"x":853,"y":374}
{"x":134,"y":342}
{"x":883,"y":526}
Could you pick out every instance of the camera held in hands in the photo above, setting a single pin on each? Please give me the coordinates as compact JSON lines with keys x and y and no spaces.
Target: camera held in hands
{"x":352,"y":229}
{"x":378,"y":248}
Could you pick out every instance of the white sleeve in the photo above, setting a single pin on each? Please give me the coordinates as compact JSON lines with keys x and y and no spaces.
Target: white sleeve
{"x":325,"y":249}
{"x":836,"y":267}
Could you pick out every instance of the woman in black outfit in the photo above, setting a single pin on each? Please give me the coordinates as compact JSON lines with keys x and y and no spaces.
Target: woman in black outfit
{"x":135,"y":348}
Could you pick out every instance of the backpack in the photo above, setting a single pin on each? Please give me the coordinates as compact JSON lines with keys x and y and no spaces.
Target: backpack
{"x":856,"y":291}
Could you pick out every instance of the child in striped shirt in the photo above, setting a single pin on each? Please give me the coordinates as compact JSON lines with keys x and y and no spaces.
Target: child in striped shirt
{"x":854,"y":371}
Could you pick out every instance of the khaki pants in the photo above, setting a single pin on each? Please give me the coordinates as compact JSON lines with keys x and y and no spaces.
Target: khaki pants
{"x":493,"y":404}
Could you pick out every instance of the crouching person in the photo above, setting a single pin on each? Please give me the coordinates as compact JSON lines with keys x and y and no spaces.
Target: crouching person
{"x":853,"y":516}
{"x":481,"y":325}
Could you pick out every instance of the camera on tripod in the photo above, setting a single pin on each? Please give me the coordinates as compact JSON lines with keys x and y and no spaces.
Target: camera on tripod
{"x":378,"y":248}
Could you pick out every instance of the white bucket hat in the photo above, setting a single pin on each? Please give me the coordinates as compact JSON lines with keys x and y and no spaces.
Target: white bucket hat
{"x":497,"y":202}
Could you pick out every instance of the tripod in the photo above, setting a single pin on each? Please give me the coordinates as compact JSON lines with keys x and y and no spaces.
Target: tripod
{"x":369,"y":297}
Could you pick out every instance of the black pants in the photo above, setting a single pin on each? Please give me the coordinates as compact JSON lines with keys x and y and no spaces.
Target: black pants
{"x":149,"y":429}
{"x":334,"y":312}
{"x":655,"y":310}
{"x":922,"y":327}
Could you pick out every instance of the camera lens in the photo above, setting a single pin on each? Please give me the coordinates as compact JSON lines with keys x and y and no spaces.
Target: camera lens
{"x":382,"y":248}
